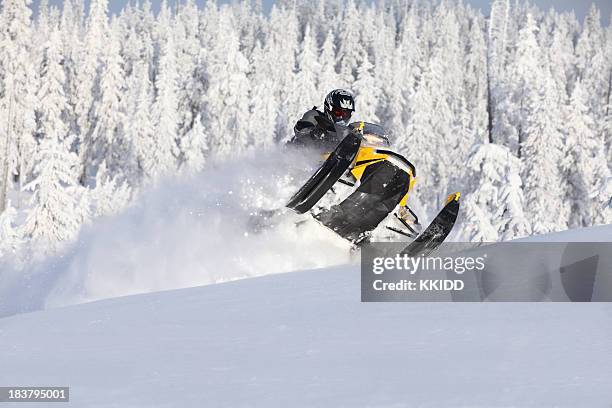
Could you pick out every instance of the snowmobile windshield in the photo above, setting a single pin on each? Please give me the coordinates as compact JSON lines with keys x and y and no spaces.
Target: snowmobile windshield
{"x":375,"y":135}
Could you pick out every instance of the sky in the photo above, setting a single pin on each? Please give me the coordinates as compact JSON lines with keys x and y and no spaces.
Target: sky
{"x":580,"y":7}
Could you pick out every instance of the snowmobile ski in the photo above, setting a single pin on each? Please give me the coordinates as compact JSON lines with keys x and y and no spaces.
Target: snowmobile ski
{"x":327,"y":175}
{"x":430,"y":239}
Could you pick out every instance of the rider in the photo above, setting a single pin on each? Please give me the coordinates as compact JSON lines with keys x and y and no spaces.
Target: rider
{"x":316,"y":128}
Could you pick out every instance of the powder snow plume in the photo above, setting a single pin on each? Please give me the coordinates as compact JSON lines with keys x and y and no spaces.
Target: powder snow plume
{"x":184,"y":233}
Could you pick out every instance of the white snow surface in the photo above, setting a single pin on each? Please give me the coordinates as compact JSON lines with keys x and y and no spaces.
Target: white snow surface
{"x":304,"y":339}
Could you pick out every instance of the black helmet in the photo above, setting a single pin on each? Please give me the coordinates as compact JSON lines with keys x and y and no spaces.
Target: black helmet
{"x":339,"y":105}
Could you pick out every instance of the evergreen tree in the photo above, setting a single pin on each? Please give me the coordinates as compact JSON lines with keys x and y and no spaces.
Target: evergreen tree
{"x":561,"y":55}
{"x":109,"y":142}
{"x":283,"y":43}
{"x":606,"y":127}
{"x":367,"y":92}
{"x":228,"y":92}
{"x":350,"y":47}
{"x":10,"y":238}
{"x":110,"y":195}
{"x":51,"y":95}
{"x":87,"y":82}
{"x":305,"y":84}
{"x":494,"y":206}
{"x":141,"y":131}
{"x":328,"y":78}
{"x":17,"y":103}
{"x":54,"y":217}
{"x":476,"y":84}
{"x":524,"y":77}
{"x":164,"y":153}
{"x":264,"y":103}
{"x":195,"y":146}
{"x":541,"y":155}
{"x":189,"y":93}
{"x":496,"y":56}
{"x":589,"y":175}
{"x":71,"y":43}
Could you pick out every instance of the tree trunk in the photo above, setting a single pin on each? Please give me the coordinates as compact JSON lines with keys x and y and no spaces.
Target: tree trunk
{"x":608,"y":96}
{"x":489,"y":100}
{"x":520,"y":127}
{"x":4,"y":169}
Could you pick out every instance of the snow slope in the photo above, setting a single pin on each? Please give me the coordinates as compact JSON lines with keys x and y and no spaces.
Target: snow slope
{"x":304,"y":339}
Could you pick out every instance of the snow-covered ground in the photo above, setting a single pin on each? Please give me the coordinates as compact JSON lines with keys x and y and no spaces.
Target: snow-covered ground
{"x":304,"y":339}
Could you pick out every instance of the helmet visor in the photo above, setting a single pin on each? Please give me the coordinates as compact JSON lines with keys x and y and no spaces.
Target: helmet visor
{"x":341,"y":113}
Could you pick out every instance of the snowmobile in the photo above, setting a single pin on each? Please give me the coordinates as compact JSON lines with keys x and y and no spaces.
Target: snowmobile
{"x":380,"y":180}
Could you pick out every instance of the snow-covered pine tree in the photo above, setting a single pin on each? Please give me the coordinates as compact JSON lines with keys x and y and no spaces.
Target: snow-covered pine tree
{"x":306,"y":77}
{"x":540,"y":139}
{"x":435,"y":113}
{"x":56,"y":213}
{"x":595,"y":76}
{"x":228,"y":91}
{"x":70,"y":32}
{"x":195,"y":147}
{"x":87,"y":82}
{"x":588,"y":173}
{"x":19,"y":88}
{"x":189,"y":93}
{"x":108,"y":138}
{"x":391,"y":72}
{"x":475,"y":83}
{"x":54,"y":217}
{"x":51,"y":94}
{"x":589,"y":41}
{"x":264,"y":104}
{"x":446,"y":86}
{"x":476,"y":225}
{"x":163,"y":154}
{"x":328,"y":78}
{"x":110,"y":195}
{"x":561,"y":55}
{"x":10,"y":237}
{"x":494,"y":206}
{"x":141,"y":129}
{"x":607,"y":121}
{"x":411,"y":53}
{"x":367,"y":91}
{"x":496,"y":56}
{"x":40,"y":34}
{"x":249,"y":17}
{"x":349,"y":44}
{"x":541,"y":175}
{"x":523,"y":81}
{"x":417,"y":140}
{"x":283,"y":43}
{"x":512,"y":222}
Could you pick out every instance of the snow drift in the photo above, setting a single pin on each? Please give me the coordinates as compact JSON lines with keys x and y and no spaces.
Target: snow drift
{"x":184,"y":233}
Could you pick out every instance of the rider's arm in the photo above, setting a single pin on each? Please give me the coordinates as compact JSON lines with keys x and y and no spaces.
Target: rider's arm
{"x":306,"y":129}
